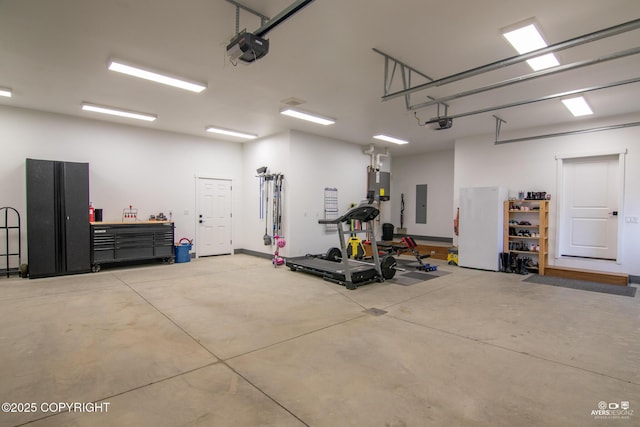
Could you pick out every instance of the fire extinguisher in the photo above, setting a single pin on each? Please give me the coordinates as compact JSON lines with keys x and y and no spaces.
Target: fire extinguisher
{"x":92,"y":213}
{"x":456,"y":222}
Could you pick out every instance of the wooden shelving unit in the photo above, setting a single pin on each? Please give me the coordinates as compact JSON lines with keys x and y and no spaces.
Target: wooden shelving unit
{"x":526,"y":230}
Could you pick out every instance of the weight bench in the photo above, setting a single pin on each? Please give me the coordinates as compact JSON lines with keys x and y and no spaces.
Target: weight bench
{"x":390,"y":248}
{"x":411,"y":244}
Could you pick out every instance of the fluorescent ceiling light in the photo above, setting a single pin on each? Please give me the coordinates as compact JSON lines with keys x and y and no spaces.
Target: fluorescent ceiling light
{"x":391,"y":139}
{"x":228,"y":132}
{"x":118,"y":112}
{"x":5,"y":92}
{"x":543,"y":62}
{"x":117,"y":65}
{"x":527,"y":38}
{"x":307,"y":116}
{"x":578,"y":106}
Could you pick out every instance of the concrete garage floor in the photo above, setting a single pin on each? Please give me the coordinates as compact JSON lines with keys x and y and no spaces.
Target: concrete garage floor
{"x":231,"y":341}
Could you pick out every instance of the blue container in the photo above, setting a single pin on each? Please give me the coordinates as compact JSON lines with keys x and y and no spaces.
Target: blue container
{"x":182,"y":252}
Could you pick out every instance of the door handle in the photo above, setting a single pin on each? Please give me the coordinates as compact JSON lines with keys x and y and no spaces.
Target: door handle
{"x":614,"y":213}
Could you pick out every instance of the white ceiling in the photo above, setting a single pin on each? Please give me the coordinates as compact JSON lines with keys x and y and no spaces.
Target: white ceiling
{"x":54,"y":54}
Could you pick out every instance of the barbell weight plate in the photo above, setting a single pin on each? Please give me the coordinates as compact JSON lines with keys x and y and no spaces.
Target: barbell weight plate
{"x":388,"y":267}
{"x":334,"y":254}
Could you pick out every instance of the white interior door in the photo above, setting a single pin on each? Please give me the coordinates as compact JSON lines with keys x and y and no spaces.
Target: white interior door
{"x":214,"y":217}
{"x":588,"y":225}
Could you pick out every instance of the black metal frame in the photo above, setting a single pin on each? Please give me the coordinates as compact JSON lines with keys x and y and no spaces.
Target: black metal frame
{"x":8,"y":270}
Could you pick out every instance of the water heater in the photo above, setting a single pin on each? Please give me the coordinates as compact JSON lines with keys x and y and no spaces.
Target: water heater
{"x":379,"y":184}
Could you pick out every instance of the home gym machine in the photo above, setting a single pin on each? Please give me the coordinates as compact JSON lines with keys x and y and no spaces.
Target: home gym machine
{"x":336,"y":266}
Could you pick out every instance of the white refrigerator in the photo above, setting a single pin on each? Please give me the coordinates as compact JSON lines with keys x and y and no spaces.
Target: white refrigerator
{"x":480,"y":236}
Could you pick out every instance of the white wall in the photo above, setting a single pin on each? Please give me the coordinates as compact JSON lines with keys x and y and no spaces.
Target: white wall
{"x":152,"y":170}
{"x":309,"y":163}
{"x":273,"y":152}
{"x":434,"y":169}
{"x":318,"y":162}
{"x":155,"y":171}
{"x":531,"y":166}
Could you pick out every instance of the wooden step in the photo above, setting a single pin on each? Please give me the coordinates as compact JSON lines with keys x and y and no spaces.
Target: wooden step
{"x":436,"y":252}
{"x":619,"y":279}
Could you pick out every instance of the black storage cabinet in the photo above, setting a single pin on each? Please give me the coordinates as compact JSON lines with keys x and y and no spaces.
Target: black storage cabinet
{"x":58,"y":236}
{"x":127,"y":242}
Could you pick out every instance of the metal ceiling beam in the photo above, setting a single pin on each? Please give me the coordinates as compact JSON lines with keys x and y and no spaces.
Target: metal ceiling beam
{"x":531,"y":76}
{"x":587,"y":38}
{"x":571,"y":132}
{"x":406,"y":71}
{"x":267,"y":24}
{"x":239,"y":6}
{"x":388,"y":58}
{"x":499,"y":123}
{"x":531,"y":101}
{"x":281,"y":17}
{"x":248,"y":9}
